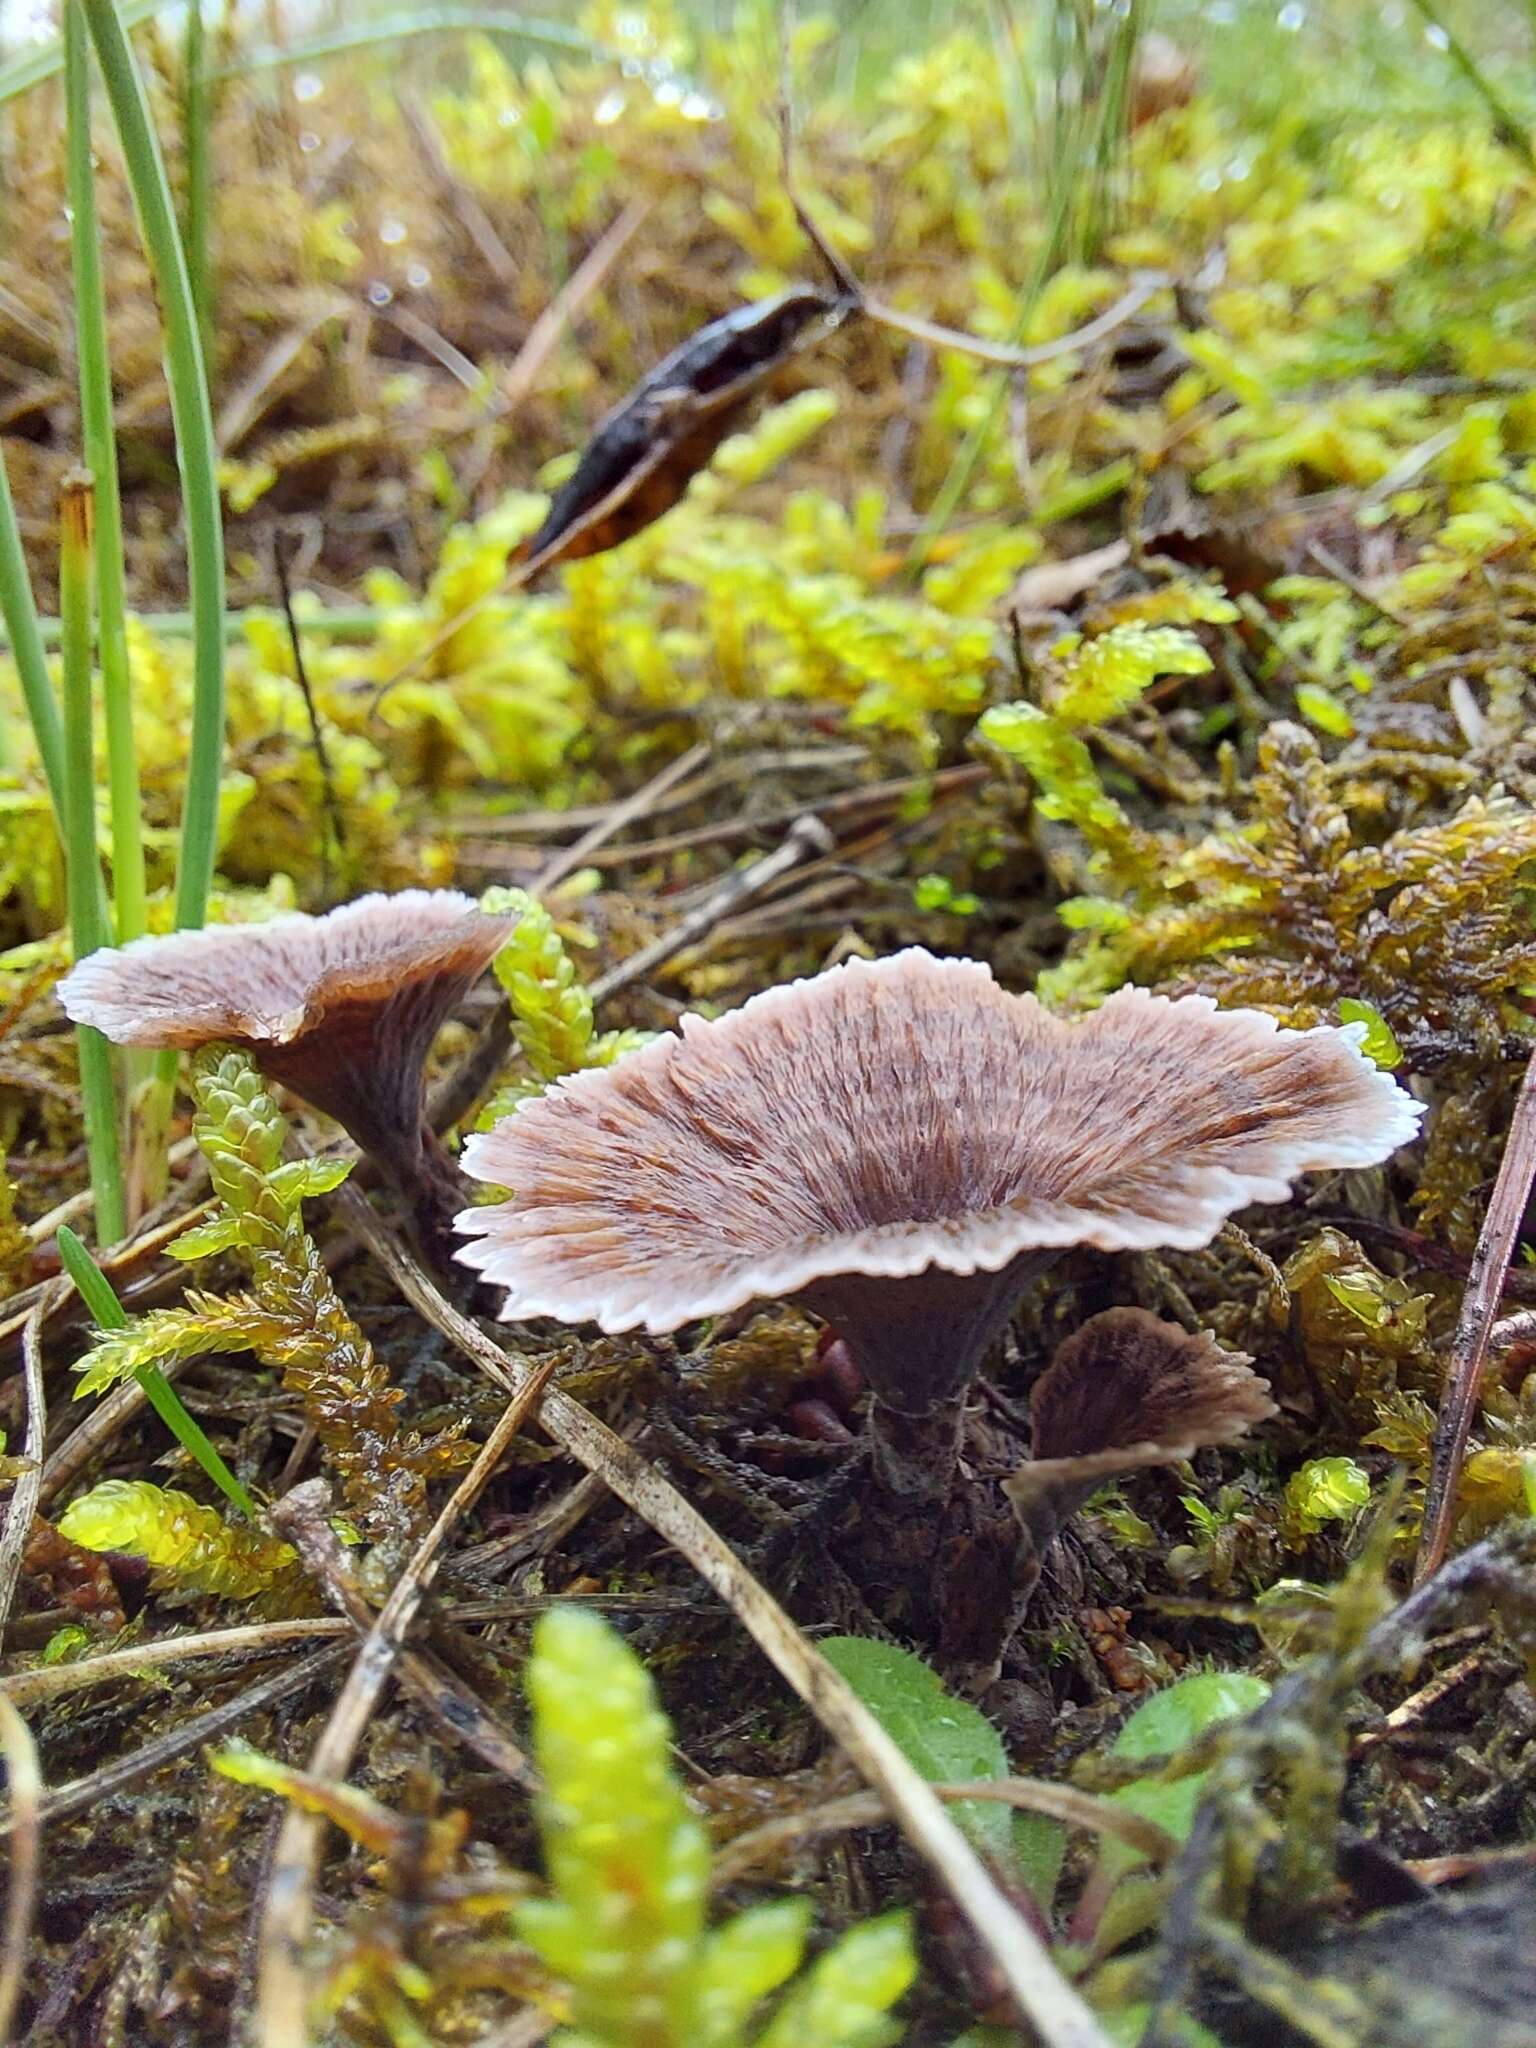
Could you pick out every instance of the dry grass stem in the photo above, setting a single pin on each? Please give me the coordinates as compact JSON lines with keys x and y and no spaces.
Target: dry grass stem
{"x":257,"y":1638}
{"x":760,"y":1845}
{"x":80,"y":1794}
{"x":281,"y":1997}
{"x":26,"y":1786}
{"x":1480,"y":1305}
{"x":28,"y":1488}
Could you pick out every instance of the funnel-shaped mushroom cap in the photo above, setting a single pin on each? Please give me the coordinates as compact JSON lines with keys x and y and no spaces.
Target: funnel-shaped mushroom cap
{"x":899,"y":1143}
{"x":342,"y":1008}
{"x":1125,"y":1391}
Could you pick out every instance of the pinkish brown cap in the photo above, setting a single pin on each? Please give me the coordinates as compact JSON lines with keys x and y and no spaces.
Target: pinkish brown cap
{"x":1127,"y":1391}
{"x":342,"y":1008}
{"x":899,"y":1143}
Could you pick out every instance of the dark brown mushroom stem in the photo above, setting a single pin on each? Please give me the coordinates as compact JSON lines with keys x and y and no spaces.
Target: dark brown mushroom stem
{"x":920,"y":1341}
{"x":365,"y":1071}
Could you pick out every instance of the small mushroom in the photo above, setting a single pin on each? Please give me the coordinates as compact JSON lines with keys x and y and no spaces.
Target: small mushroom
{"x":1126,"y":1391}
{"x":900,"y":1145}
{"x":342,"y":1009}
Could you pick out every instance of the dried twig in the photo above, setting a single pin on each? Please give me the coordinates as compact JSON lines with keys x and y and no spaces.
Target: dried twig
{"x":638,"y":804}
{"x":473,"y":1076}
{"x":868,"y":1809}
{"x":49,"y":1681}
{"x":541,"y":338}
{"x":1098,"y":329}
{"x":1052,"y":2007}
{"x":303,"y":1517}
{"x":806,"y":837}
{"x":1480,"y":1304}
{"x":472,"y":216}
{"x":24,"y":1495}
{"x":26,"y":1783}
{"x":281,"y":1992}
{"x":180,"y":1741}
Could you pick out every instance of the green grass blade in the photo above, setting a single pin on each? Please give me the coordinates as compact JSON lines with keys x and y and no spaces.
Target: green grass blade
{"x":36,"y":66}
{"x":196,"y":112}
{"x":186,"y":374}
{"x":100,"y":440}
{"x":390,"y":29}
{"x":108,"y":1313}
{"x":25,"y":637}
{"x":88,"y":924}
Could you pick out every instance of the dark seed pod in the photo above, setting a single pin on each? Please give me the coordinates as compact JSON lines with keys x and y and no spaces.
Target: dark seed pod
{"x":644,"y":453}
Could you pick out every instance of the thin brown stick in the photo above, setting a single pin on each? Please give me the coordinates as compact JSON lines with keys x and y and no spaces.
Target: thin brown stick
{"x":1409,"y":1712}
{"x":472,"y":216}
{"x":584,"y":280}
{"x":808,"y":836}
{"x":303,"y":1517}
{"x":469,"y":1081}
{"x":281,"y":1973}
{"x":1050,"y":2004}
{"x":24,"y":1495}
{"x":180,"y":1741}
{"x":637,"y":805}
{"x":84,"y":1202}
{"x":1480,"y":1304}
{"x":536,"y":1532}
{"x":868,"y":1809}
{"x":1098,"y":329}
{"x":874,"y":796}
{"x":49,"y":1681}
{"x":119,"y":1261}
{"x":26,"y":1783}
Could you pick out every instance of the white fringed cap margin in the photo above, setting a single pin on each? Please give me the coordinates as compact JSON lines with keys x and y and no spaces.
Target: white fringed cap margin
{"x":889,"y":1117}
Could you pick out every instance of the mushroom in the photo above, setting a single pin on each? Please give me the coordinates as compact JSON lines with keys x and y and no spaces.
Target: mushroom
{"x":900,"y":1145}
{"x":1126,"y":1391}
{"x":342,"y":1009}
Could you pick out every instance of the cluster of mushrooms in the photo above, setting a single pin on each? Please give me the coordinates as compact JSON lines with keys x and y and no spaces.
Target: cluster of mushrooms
{"x":898,"y":1145}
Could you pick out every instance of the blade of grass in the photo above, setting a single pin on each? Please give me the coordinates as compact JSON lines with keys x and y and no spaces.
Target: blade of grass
{"x":88,"y":924}
{"x":23,"y":632}
{"x":1510,"y":131}
{"x":100,"y":442}
{"x":95,"y":1290}
{"x":393,"y":28}
{"x":37,"y":66}
{"x":335,"y":622}
{"x":195,"y":115}
{"x":192,"y":416}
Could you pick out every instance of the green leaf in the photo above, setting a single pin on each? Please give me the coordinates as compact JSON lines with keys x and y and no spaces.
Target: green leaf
{"x":945,"y":1738}
{"x":298,"y":1180}
{"x":221,"y":1233}
{"x":741,"y":1963}
{"x":844,"y":2000}
{"x":1126,"y":2027}
{"x":1164,"y":1725}
{"x":1327,"y":1490}
{"x":1108,"y":674}
{"x":1318,"y":707}
{"x":1039,"y":1851}
{"x":1379,"y":1044}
